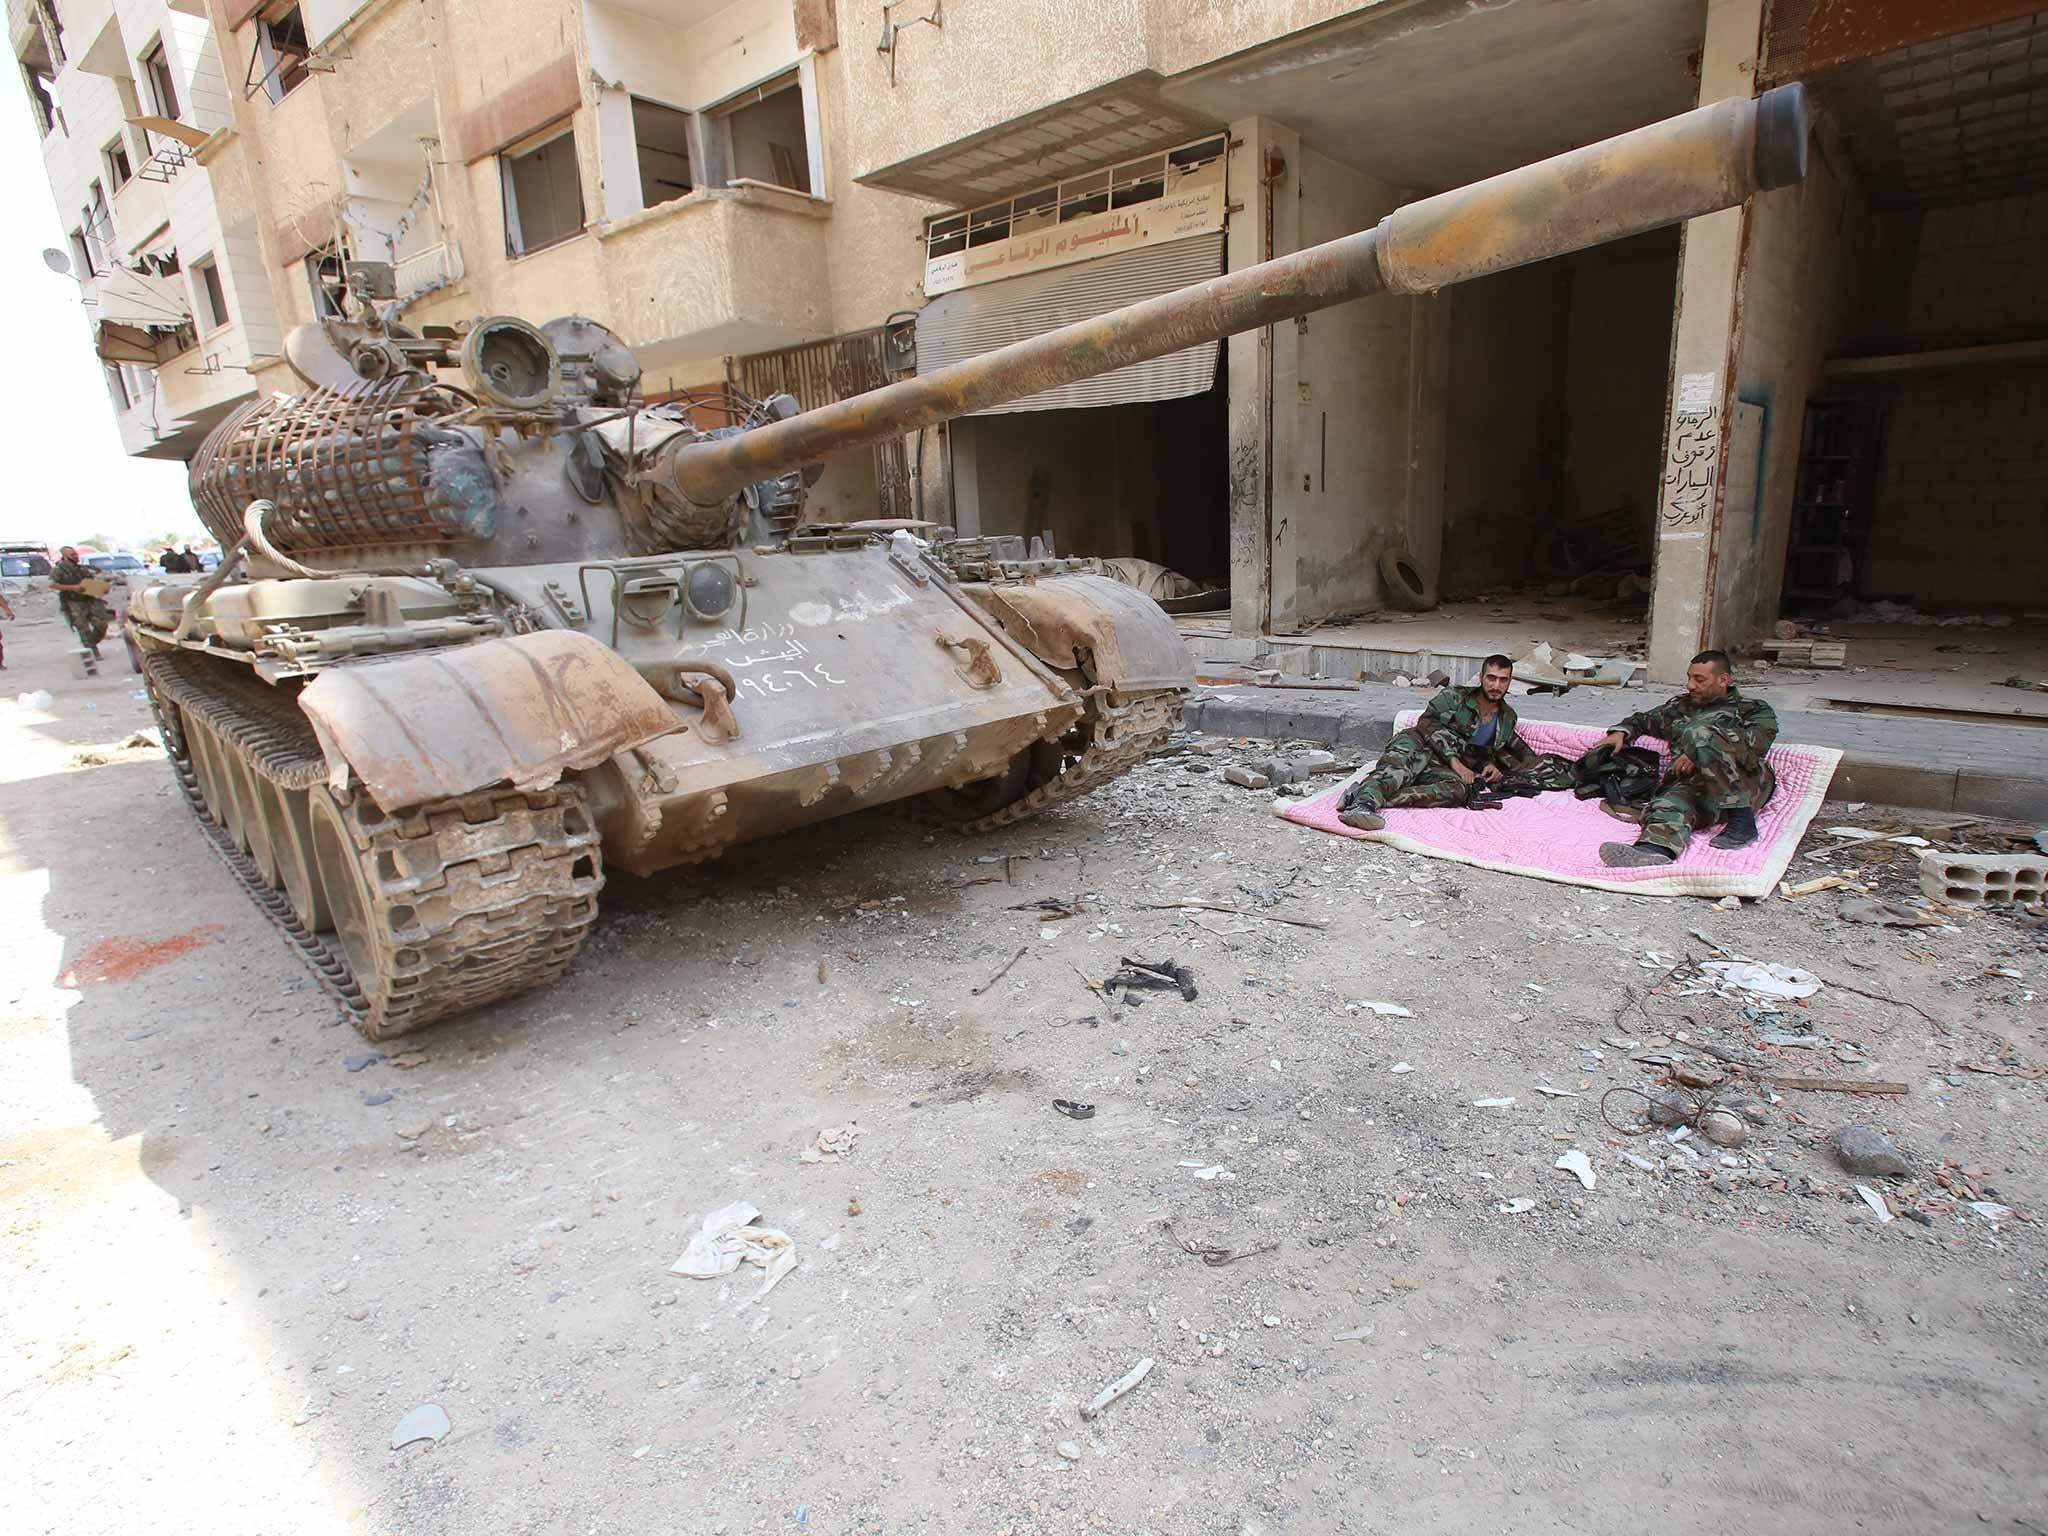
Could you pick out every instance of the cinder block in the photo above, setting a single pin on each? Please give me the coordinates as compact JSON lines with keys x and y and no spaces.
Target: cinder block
{"x":1983,"y":879}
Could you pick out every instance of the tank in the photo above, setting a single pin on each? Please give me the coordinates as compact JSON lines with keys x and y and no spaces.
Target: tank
{"x":490,"y":624}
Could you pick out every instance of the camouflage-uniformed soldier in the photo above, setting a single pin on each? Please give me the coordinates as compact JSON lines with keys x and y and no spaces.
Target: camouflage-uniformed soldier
{"x":81,"y":608}
{"x":1719,"y":772}
{"x":1465,"y":738}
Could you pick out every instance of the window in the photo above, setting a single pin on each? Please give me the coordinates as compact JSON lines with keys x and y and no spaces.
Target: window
{"x":81,"y":256}
{"x":661,"y":139}
{"x":763,"y":131}
{"x":41,"y":95}
{"x":99,"y":228}
{"x":163,"y":86}
{"x":115,"y":158}
{"x":543,"y":195}
{"x":213,"y":298}
{"x":281,"y":51}
{"x":53,"y":29}
{"x":117,"y":386}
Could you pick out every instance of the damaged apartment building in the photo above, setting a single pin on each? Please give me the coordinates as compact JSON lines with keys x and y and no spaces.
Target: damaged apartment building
{"x":1825,"y":404}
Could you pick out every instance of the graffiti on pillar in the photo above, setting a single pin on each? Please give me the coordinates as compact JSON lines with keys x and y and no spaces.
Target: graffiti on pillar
{"x":1694,"y":460}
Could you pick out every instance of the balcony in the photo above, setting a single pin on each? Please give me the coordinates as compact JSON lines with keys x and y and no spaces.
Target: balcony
{"x":731,"y":270}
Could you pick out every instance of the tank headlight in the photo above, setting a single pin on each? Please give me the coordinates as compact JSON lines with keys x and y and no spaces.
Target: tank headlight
{"x":710,"y":589}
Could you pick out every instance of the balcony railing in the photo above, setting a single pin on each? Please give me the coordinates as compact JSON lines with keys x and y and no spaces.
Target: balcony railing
{"x":424,"y":270}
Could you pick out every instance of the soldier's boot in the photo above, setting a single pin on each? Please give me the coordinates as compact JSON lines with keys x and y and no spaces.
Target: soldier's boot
{"x":1633,"y":855}
{"x":1739,"y":833}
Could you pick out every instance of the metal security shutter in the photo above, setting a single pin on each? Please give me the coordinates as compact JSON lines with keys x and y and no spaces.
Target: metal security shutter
{"x":970,"y":321}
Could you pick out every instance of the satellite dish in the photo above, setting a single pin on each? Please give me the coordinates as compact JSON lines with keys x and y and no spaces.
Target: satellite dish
{"x":56,"y":261}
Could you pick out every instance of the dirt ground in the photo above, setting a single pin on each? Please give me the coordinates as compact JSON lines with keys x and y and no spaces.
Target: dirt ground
{"x":233,"y":1264}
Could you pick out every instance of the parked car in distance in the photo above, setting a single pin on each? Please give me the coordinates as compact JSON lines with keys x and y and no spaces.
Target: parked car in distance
{"x":209,"y":559}
{"x":125,"y":566}
{"x":22,"y":567}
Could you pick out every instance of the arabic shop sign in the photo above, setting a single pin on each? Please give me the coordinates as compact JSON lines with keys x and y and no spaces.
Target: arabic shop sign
{"x":1146,"y":202}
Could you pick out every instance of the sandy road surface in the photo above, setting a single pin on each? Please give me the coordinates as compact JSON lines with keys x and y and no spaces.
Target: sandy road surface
{"x":232,"y":1265}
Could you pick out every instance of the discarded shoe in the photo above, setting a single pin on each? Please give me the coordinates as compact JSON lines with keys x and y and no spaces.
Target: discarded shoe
{"x":1739,"y":833}
{"x":1632,"y":855}
{"x":1363,"y":819}
{"x":1621,"y":812}
{"x":1074,"y":1111}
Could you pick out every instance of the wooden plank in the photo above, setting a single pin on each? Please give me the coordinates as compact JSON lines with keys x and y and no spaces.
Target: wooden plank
{"x":1830,"y":1084}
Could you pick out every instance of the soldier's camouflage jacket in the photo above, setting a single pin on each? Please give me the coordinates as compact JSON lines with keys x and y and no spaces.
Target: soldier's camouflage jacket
{"x":1727,"y":739}
{"x":1447,"y":725}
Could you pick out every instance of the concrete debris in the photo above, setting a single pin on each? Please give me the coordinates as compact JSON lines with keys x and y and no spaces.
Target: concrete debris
{"x":1866,"y":1150}
{"x":1353,"y":1335}
{"x":1246,"y":778}
{"x":1400,"y":1066}
{"x":1886,"y":914}
{"x":1579,"y":1166}
{"x":1384,"y":1010}
{"x":429,"y":1421}
{"x":1521,"y":1203}
{"x":833,"y":1144}
{"x":1493,"y":1103}
{"x":1068,"y":1450}
{"x":364,"y":1059}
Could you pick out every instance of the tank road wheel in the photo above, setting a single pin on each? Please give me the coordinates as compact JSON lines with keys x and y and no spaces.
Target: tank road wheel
{"x":205,"y":751}
{"x":247,"y":791}
{"x":455,"y":904}
{"x":961,"y":808}
{"x":1119,"y":732}
{"x":288,"y":826}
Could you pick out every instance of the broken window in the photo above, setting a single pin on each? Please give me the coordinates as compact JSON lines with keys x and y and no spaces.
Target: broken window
{"x":1139,"y":182}
{"x":543,"y":194}
{"x":281,"y":52}
{"x":1084,"y":195}
{"x":213,"y":297}
{"x":764,"y":137}
{"x":163,"y":85}
{"x":115,"y":158}
{"x":117,"y":386}
{"x":81,"y":256}
{"x":42,"y":96}
{"x":661,"y":140}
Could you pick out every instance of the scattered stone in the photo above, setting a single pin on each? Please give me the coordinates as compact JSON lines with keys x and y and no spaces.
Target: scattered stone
{"x":1861,"y":1149}
{"x":1246,"y":777}
{"x":358,"y":1314}
{"x":1579,"y":1166}
{"x":1724,"y":1127}
{"x":366,"y":1059}
{"x":1069,"y":1450}
{"x":381,"y":1096}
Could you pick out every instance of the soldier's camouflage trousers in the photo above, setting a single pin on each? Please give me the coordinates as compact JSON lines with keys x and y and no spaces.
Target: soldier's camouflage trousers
{"x":1702,"y":798}
{"x":1408,"y":777}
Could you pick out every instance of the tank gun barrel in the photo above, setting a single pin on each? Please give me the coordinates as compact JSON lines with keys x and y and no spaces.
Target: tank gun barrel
{"x":1698,"y":162}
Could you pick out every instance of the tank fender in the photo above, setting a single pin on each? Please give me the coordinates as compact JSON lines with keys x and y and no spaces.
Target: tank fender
{"x":520,"y":709}
{"x":1134,"y":644}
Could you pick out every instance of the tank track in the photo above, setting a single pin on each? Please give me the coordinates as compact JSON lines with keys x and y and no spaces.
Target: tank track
{"x":1122,"y":733}
{"x":469,"y":900}
{"x":323,"y":959}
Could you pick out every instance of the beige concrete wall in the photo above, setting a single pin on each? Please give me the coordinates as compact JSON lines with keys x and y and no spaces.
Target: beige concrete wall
{"x":1790,"y":260}
{"x":1346,"y":484}
{"x":994,"y":60}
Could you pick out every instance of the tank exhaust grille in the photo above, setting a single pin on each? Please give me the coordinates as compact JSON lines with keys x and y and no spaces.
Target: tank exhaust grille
{"x":352,"y":469}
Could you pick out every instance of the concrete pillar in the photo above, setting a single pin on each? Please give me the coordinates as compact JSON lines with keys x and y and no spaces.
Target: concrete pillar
{"x":1262,"y":369}
{"x":1701,"y":398}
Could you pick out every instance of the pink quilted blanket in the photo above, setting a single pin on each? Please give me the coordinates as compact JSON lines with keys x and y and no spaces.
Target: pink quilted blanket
{"x":1558,"y":837}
